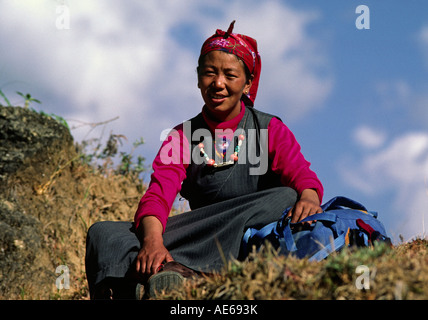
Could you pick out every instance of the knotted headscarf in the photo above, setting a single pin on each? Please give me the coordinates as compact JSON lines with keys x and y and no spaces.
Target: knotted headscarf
{"x":244,"y":47}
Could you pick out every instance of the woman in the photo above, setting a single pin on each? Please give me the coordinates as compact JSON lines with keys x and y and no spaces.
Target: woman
{"x":210,"y":161}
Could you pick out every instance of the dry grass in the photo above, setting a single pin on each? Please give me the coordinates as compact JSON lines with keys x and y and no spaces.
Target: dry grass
{"x":75,"y":198}
{"x":397,"y":273}
{"x":78,"y":196}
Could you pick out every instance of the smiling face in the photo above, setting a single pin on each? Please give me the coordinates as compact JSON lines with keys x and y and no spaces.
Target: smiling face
{"x":222,"y":81}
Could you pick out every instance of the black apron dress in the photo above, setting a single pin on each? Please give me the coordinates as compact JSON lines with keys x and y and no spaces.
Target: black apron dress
{"x":224,"y":202}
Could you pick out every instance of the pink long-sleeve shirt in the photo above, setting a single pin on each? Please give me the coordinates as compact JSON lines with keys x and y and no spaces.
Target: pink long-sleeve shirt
{"x":173,"y":158}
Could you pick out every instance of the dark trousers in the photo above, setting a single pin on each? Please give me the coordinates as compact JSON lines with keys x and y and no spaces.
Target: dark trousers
{"x":198,"y":239}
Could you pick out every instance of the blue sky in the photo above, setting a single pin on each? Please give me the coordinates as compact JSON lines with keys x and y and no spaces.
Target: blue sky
{"x":356,"y":99}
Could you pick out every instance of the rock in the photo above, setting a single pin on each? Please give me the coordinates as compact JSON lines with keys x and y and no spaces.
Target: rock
{"x":31,"y":145}
{"x":49,"y":196}
{"x":20,"y":243}
{"x":32,"y":148}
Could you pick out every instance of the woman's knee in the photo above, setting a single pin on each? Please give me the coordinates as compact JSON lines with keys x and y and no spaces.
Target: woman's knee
{"x":99,"y":229}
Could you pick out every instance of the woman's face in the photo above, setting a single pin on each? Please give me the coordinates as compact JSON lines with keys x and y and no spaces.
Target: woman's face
{"x":222,"y":81}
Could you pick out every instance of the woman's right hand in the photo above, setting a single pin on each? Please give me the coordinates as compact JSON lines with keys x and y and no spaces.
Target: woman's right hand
{"x":152,"y":253}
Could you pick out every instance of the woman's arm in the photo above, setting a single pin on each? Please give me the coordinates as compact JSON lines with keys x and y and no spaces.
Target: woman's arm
{"x":169,"y":170}
{"x":288,"y":161}
{"x":154,"y":207}
{"x":152,"y":253}
{"x":290,"y":164}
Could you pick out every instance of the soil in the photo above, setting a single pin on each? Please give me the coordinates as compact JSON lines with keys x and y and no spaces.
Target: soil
{"x":48,"y":199}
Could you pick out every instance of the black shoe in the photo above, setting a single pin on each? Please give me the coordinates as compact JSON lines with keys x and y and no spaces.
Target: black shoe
{"x":115,"y":289}
{"x":163,"y":282}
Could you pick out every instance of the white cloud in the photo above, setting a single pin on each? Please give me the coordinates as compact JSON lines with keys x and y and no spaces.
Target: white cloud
{"x":123,"y":59}
{"x":424,"y":35}
{"x":394,"y":93}
{"x":405,"y":101}
{"x":400,"y":169}
{"x":290,"y":57}
{"x":368,"y":137}
{"x":110,"y":62}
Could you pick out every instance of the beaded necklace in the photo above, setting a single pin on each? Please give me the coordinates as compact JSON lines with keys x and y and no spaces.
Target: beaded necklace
{"x":233,"y":157}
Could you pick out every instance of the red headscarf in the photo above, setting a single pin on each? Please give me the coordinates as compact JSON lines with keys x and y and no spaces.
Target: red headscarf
{"x":243,"y":47}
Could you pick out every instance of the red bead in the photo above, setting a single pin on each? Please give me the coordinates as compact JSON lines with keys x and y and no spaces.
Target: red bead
{"x":201,"y":145}
{"x":241,"y":137}
{"x":233,"y":157}
{"x":211,"y":162}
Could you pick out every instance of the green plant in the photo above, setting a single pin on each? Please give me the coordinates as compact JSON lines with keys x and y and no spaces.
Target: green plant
{"x":103,"y":158}
{"x":127,"y":166}
{"x":28,"y":98}
{"x":59,"y":119}
{"x":5,"y":98}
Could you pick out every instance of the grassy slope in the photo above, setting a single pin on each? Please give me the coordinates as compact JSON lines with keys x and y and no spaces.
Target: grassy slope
{"x":79,"y":196}
{"x":397,"y":273}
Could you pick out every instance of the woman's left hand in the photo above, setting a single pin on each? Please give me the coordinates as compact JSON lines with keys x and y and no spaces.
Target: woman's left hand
{"x":307,"y":205}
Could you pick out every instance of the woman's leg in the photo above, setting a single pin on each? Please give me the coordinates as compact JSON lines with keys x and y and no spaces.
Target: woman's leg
{"x":199,"y":239}
{"x":111,"y":249}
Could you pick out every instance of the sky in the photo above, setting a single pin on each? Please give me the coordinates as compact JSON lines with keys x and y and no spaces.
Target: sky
{"x":349,"y":81}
